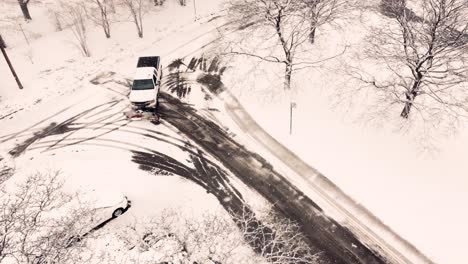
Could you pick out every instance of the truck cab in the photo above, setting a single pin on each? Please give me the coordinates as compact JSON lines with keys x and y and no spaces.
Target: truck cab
{"x":146,"y":82}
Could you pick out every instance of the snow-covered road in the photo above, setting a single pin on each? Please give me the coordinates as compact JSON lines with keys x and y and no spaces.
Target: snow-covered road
{"x":368,"y":228}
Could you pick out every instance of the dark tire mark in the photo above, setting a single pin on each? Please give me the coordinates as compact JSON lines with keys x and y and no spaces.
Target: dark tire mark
{"x":10,"y":114}
{"x":52,"y":129}
{"x":215,"y":181}
{"x":323,"y":232}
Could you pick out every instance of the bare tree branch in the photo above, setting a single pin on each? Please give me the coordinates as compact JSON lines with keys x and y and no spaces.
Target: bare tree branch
{"x":136,"y":9}
{"x":75,"y":18}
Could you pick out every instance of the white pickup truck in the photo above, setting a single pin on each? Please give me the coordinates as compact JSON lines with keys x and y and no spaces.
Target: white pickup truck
{"x":145,"y":88}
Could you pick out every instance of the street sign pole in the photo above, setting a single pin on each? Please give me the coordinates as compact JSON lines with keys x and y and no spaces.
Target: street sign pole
{"x":291,"y":106}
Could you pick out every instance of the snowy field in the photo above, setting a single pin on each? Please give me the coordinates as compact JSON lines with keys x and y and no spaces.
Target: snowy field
{"x":421,"y":195}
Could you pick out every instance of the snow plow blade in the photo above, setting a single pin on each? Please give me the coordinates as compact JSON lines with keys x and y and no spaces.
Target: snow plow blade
{"x":136,"y":115}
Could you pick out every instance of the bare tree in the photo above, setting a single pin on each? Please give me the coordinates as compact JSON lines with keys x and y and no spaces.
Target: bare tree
{"x":100,"y":14}
{"x":6,"y":167}
{"x":287,"y":27}
{"x":136,"y":10}
{"x":279,"y":16}
{"x":75,"y":16}
{"x":424,"y":47}
{"x":24,"y":9}
{"x":30,"y":229}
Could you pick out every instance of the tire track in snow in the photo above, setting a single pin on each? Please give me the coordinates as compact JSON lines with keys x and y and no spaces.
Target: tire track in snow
{"x":339,"y":243}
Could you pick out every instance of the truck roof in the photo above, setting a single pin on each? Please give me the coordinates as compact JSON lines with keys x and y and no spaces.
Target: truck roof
{"x":151,"y":61}
{"x":143,"y":73}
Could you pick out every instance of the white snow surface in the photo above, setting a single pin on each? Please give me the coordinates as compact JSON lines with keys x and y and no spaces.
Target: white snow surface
{"x":421,"y":195}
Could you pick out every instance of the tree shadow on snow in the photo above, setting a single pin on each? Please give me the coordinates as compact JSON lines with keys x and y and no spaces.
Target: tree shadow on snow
{"x":203,"y":71}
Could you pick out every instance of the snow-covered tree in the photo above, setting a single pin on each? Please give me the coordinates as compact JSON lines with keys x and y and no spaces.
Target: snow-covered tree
{"x":287,"y":28}
{"x":74,"y":17}
{"x":424,"y":46}
{"x":30,"y":231}
{"x":137,"y":10}
{"x":213,"y":238}
{"x":282,"y":27}
{"x":321,"y":12}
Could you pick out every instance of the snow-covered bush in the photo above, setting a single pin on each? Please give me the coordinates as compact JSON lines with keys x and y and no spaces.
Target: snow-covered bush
{"x":213,"y":238}
{"x":6,"y":168}
{"x":34,"y":225}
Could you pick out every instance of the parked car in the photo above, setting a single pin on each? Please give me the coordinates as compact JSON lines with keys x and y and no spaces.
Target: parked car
{"x":92,"y":210}
{"x":105,"y":205}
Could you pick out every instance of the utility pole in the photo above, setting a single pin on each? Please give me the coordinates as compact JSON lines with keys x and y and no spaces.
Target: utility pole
{"x":2,"y":47}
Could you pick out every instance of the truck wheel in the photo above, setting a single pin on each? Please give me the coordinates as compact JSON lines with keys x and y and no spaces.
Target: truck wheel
{"x":156,"y":105}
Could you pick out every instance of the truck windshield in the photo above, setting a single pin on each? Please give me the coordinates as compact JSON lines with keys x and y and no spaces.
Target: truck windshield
{"x":142,"y":84}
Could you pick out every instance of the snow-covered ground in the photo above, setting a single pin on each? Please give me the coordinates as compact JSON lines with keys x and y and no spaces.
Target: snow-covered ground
{"x":93,"y":149}
{"x":420,"y":196}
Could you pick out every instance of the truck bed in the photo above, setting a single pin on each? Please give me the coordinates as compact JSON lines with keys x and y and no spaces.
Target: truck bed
{"x":149,"y":62}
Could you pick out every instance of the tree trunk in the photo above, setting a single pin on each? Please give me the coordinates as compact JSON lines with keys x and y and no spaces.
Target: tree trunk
{"x":410,"y":96}
{"x":104,"y":19}
{"x":106,"y":26}
{"x":313,"y":22}
{"x":138,"y":24}
{"x":107,"y":32}
{"x":407,"y":108}
{"x":287,"y":76}
{"x":140,"y":31}
{"x":25,"y":10}
{"x":312,"y":35}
